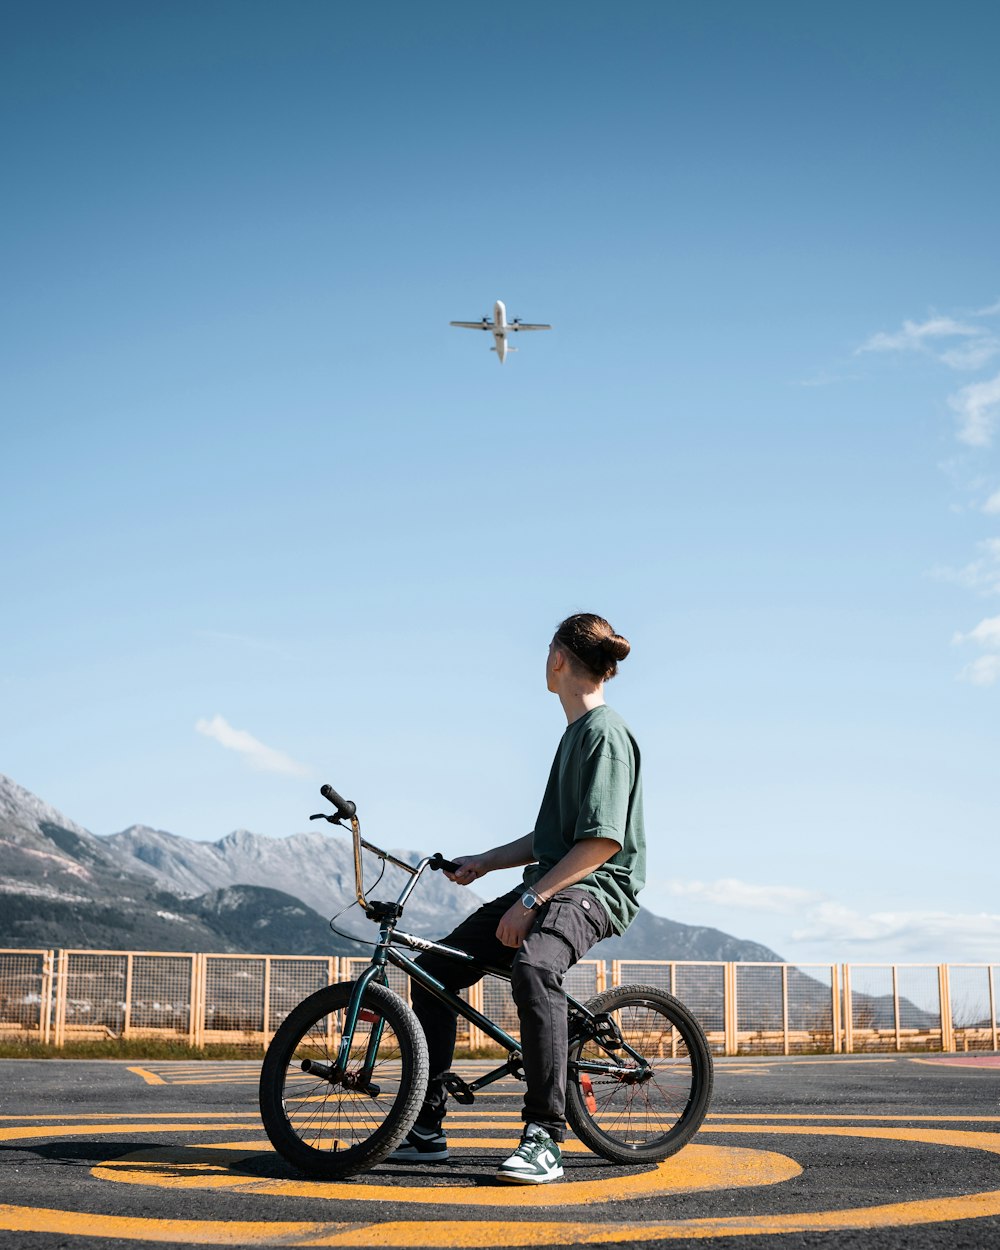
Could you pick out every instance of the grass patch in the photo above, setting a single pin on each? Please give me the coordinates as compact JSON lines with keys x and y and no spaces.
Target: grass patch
{"x":145,"y":1048}
{"x":126,"y":1048}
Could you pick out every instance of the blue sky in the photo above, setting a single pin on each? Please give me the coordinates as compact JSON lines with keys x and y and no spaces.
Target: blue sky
{"x":268,"y":521}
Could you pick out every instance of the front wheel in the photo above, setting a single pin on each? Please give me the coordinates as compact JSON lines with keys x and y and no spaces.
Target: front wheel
{"x":639,"y":1111}
{"x":337,"y":1130}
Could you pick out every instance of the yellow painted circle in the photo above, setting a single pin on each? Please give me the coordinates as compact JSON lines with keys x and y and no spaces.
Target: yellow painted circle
{"x":425,"y":1234}
{"x":695,"y":1169}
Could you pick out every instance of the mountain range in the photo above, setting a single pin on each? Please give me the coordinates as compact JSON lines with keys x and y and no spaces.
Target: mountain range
{"x":146,"y":889}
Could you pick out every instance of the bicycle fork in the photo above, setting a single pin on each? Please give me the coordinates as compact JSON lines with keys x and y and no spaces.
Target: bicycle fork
{"x":338,"y":1074}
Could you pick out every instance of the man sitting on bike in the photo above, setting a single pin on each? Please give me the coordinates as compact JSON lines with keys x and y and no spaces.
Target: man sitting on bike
{"x":586,"y":861}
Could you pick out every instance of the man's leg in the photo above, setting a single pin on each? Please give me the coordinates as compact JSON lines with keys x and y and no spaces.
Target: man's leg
{"x":477,"y":935}
{"x":566,"y":929}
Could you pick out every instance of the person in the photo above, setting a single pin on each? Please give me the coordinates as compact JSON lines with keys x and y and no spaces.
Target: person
{"x":585,"y":865}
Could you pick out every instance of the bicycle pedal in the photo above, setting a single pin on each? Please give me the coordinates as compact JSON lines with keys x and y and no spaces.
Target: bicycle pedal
{"x":458,"y":1088}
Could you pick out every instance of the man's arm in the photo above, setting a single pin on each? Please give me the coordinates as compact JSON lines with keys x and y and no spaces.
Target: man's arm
{"x":511,"y":855}
{"x":579,"y":861}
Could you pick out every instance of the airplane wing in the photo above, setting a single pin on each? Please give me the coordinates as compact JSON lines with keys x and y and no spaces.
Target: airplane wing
{"x":473,"y":325}
{"x":524,"y":325}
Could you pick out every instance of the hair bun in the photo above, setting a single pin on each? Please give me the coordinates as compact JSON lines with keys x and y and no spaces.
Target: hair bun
{"x":592,"y":644}
{"x":617,"y":646}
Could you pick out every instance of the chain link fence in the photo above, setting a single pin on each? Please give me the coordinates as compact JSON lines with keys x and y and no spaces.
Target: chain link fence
{"x":744,"y":1008}
{"x":26,"y":994}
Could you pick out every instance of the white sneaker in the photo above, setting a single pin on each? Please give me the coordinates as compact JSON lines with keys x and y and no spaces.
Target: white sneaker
{"x":536,"y":1161}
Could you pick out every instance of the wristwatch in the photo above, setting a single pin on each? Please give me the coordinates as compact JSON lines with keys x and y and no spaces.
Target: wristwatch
{"x":530,"y":900}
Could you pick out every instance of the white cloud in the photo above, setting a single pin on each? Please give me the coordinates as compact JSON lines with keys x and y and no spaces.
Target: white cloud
{"x":915,"y":336}
{"x":978,"y":409}
{"x":259,"y":756}
{"x":977,"y":351}
{"x":935,"y":935}
{"x":982,"y":672}
{"x":971,"y":356}
{"x":729,"y":892}
{"x":986,"y":633}
{"x":830,"y":930}
{"x":982,"y":574}
{"x":986,"y":670}
{"x":967,"y":344}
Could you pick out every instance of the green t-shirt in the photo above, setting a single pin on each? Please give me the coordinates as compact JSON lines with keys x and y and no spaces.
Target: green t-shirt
{"x":595,"y":791}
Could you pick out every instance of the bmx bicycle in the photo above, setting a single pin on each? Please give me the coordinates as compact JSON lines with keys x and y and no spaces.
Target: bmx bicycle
{"x":345,"y":1074}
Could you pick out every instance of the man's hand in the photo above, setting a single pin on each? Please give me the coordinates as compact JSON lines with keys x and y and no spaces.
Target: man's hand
{"x":515,"y":925}
{"x":470,"y":868}
{"x":512,"y":855}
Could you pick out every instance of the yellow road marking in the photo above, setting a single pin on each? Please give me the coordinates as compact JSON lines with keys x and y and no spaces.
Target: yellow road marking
{"x":221,"y":1065}
{"x":415,"y":1235}
{"x":455,"y":1233}
{"x":139,"y":1115}
{"x":23,"y":1132}
{"x":926,"y":1136}
{"x":243,"y":1075}
{"x":149,"y":1077}
{"x":137,"y":1228}
{"x":958,"y":1062}
{"x":697,"y":1168}
{"x":906,"y":1119}
{"x":486,"y":1117}
{"x":215,"y":1080}
{"x":742,"y":1065}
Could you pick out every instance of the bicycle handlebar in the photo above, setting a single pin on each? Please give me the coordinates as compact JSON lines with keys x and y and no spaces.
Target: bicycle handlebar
{"x":345,"y":808}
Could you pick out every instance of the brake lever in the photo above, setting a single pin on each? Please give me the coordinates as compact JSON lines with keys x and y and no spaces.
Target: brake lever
{"x":324,"y":816}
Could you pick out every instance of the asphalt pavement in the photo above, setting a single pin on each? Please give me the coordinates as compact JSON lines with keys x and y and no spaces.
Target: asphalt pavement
{"x":819,"y":1151}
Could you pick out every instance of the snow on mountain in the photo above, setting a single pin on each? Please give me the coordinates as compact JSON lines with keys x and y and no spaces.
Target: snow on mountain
{"x":316,"y":867}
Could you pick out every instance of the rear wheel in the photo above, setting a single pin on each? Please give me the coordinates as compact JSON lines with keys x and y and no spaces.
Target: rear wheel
{"x":336,"y":1130}
{"x":632,"y":1112}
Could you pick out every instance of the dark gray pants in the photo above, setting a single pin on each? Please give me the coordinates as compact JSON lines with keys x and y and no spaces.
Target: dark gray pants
{"x":565,"y":929}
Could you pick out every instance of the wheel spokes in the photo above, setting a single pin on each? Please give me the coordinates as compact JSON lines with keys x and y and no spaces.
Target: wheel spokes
{"x":640,"y":1111}
{"x":334,"y":1117}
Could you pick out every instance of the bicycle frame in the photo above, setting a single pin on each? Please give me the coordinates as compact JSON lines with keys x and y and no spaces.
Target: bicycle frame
{"x":385,"y":952}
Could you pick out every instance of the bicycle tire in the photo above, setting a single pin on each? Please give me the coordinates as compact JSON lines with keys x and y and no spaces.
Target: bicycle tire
{"x":645,"y":1121}
{"x":333,"y":1131}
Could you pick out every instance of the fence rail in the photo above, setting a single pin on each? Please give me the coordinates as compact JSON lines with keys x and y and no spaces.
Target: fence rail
{"x":745,"y":1008}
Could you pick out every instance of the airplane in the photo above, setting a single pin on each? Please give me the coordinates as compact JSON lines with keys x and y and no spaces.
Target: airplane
{"x":500,"y":328}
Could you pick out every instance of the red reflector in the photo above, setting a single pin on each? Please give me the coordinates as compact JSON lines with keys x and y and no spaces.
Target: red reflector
{"x":369,"y":1017}
{"x":588,"y":1093}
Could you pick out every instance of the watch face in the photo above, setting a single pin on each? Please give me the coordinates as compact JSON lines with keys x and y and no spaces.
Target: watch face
{"x":529,"y":900}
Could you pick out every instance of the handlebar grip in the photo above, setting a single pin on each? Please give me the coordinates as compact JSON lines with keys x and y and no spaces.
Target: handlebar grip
{"x":345,"y":808}
{"x":438,"y":862}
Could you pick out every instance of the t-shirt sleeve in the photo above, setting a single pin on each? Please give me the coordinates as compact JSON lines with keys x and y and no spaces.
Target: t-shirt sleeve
{"x":604,"y":793}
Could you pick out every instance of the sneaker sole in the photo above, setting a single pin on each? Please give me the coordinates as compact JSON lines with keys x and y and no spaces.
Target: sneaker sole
{"x":437,"y":1156}
{"x":514,"y":1179}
